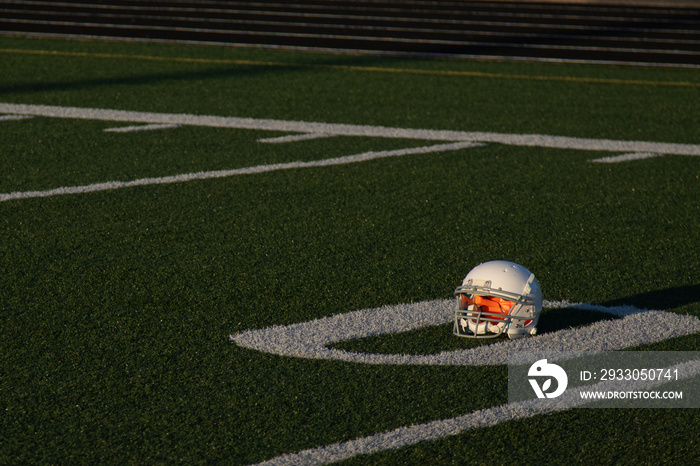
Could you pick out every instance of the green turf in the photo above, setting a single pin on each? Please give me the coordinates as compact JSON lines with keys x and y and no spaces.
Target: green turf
{"x":116,"y":307}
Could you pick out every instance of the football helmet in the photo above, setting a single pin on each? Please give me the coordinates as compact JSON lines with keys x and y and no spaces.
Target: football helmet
{"x":498,"y":297}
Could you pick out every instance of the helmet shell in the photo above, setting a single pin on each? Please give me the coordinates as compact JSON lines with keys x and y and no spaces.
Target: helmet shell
{"x":508,"y":277}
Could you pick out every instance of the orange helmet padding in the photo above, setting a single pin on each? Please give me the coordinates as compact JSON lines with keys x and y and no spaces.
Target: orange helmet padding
{"x":492,"y":304}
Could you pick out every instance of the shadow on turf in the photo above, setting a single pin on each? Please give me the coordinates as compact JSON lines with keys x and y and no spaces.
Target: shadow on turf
{"x":666,"y":299}
{"x":214,"y":71}
{"x":670,"y":298}
{"x":553,"y":320}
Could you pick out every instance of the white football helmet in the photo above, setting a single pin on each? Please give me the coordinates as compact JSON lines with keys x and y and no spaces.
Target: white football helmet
{"x":498,"y":297}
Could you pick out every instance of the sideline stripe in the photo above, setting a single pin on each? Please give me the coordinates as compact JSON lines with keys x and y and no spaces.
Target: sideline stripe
{"x":14,"y":117}
{"x":111,"y":185}
{"x":131,"y":129}
{"x":472,"y":74}
{"x":410,"y":435}
{"x":528,"y":140}
{"x":627,"y":157}
{"x":294,"y":138}
{"x":312,"y":339}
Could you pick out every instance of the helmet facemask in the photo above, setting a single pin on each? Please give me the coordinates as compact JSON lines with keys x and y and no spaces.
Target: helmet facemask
{"x":485,"y":312}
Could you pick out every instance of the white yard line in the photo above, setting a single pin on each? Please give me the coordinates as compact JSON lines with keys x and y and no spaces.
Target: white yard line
{"x":632,"y":150}
{"x":530,"y":140}
{"x":111,"y":185}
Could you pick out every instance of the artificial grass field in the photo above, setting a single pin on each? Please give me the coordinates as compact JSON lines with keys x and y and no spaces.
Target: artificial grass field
{"x":116,"y":307}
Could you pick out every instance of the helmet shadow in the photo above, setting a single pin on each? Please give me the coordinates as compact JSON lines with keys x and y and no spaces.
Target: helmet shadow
{"x":663,"y":300}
